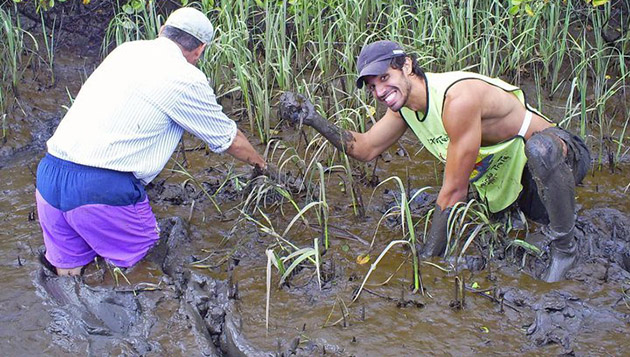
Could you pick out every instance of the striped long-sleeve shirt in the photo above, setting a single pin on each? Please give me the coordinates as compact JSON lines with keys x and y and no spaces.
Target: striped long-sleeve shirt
{"x":132,"y":111}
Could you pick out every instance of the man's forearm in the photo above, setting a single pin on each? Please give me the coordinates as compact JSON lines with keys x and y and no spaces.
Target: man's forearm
{"x":298,"y":110}
{"x":243,"y":150}
{"x":340,"y":138}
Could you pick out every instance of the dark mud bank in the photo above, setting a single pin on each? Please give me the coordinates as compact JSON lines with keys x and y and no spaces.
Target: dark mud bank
{"x":124,"y":320}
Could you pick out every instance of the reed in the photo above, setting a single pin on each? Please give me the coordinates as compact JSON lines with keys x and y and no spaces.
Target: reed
{"x":12,"y":48}
{"x":407,"y":227}
{"x":136,"y":20}
{"x":49,"y":45}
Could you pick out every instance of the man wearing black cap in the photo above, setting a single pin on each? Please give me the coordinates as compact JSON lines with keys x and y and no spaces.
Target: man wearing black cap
{"x":484,"y":131}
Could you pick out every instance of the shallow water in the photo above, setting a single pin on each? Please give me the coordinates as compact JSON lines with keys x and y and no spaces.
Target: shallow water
{"x":436,"y":328}
{"x":374,"y":325}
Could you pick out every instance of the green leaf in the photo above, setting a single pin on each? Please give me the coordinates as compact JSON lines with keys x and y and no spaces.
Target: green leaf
{"x":528,"y":10}
{"x":513,"y":10}
{"x":137,"y":4}
{"x":527,"y":246}
{"x":128,"y":9}
{"x":345,"y":248}
{"x":280,"y":263}
{"x":307,"y":254}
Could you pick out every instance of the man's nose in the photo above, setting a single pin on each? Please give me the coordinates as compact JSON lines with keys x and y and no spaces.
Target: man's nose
{"x":379,"y":90}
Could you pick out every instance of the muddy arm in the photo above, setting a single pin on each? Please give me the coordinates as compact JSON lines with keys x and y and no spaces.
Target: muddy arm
{"x":436,"y":239}
{"x":342,"y":139}
{"x":462,"y":122}
{"x":298,"y":110}
{"x":362,"y":146}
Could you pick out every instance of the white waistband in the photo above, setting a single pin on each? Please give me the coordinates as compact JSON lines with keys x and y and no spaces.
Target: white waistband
{"x":526,"y":122}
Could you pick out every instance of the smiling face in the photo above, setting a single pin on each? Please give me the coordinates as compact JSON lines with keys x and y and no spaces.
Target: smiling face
{"x":391,"y":88}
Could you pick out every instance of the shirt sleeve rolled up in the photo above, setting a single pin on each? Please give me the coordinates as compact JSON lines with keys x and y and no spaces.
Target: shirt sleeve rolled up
{"x":198,"y":112}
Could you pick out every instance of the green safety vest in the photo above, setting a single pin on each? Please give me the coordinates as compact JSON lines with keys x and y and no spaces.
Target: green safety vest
{"x":499,"y":167}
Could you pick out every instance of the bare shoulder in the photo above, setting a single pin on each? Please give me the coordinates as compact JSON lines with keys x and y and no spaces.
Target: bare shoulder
{"x":468,"y":91}
{"x":463,"y":99}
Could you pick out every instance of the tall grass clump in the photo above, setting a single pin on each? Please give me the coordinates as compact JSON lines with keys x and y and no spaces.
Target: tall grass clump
{"x":264,"y":47}
{"x":136,"y":20}
{"x":49,"y":44}
{"x":12,"y":48}
{"x":14,"y":60}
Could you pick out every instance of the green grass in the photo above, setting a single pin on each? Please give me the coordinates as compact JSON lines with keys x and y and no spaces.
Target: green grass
{"x":264,"y":47}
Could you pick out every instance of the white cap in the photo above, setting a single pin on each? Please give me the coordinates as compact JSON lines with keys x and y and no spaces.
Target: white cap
{"x":193,"y":22}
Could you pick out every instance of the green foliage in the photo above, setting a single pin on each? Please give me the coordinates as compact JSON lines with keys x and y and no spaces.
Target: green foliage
{"x":533,"y":7}
{"x":130,"y":7}
{"x":47,"y":4}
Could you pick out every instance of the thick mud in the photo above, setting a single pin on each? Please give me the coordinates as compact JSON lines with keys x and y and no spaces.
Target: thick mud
{"x":202,"y":290}
{"x":89,"y":317}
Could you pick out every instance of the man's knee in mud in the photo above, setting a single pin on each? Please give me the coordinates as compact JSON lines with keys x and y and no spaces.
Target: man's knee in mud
{"x":544,"y":151}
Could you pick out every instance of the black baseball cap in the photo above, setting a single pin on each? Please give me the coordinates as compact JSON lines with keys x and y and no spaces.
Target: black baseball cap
{"x":375,"y":58}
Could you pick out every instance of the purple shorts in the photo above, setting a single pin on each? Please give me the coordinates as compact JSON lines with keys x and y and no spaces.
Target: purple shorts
{"x":86,"y":211}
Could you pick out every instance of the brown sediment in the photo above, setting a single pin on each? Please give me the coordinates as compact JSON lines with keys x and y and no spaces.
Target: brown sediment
{"x":190,"y":311}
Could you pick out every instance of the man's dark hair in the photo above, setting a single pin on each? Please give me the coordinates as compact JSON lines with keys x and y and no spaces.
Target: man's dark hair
{"x":182,"y":38}
{"x":398,"y":62}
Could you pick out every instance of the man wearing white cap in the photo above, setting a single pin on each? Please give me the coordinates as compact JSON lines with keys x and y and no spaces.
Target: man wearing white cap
{"x":122,"y":128}
{"x":485,"y":132}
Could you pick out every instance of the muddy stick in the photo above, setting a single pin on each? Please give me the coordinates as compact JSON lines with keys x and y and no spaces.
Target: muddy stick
{"x":484,"y":294}
{"x":340,"y":233}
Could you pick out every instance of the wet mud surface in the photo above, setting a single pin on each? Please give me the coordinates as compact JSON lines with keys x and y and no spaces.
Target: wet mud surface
{"x":202,"y":290}
{"x":200,"y":310}
{"x":172,"y":307}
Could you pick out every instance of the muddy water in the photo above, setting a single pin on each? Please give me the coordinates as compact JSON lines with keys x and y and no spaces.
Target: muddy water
{"x":586,"y":315}
{"x":377,"y":325}
{"x":386,"y":319}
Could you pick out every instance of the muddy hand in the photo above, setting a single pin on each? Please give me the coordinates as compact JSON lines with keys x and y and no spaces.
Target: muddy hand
{"x":270,"y":172}
{"x":296,"y":109}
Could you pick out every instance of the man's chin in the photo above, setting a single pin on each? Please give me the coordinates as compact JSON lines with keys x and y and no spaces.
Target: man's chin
{"x":395,"y":107}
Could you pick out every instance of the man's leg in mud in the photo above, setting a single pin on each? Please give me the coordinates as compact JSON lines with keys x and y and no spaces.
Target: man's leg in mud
{"x":69,"y":272}
{"x":66,"y":252}
{"x":58,"y":271}
{"x":168,"y":250}
{"x":546,"y":154}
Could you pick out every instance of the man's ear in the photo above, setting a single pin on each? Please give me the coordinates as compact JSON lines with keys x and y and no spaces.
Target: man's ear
{"x":199,"y":50}
{"x":407,"y":66}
